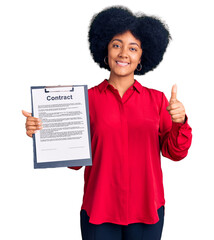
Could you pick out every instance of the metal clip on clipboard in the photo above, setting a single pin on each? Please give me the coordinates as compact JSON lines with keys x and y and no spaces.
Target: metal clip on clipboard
{"x":54,"y":88}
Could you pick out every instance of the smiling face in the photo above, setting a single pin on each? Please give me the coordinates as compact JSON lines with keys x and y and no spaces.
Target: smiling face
{"x":124,"y":54}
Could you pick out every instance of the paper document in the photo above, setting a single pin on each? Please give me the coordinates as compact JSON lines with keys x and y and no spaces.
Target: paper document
{"x":65,"y":137}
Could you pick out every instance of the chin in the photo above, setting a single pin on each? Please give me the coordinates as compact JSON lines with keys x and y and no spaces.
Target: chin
{"x":124,"y":74}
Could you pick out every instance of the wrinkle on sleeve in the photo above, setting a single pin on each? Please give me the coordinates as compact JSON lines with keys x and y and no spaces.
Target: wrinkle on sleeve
{"x":175,"y":138}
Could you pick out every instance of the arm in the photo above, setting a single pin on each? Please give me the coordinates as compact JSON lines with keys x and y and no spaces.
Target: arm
{"x":175,"y":137}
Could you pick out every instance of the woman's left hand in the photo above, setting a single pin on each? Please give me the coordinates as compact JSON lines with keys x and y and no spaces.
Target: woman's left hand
{"x":176,"y":108}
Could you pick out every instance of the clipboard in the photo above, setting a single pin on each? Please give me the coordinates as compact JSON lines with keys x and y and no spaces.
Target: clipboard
{"x":61,"y":97}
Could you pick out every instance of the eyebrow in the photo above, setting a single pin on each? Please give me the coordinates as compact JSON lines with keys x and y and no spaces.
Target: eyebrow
{"x":132,"y":43}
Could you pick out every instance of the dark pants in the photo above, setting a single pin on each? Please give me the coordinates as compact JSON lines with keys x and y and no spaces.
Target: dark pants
{"x":110,"y":231}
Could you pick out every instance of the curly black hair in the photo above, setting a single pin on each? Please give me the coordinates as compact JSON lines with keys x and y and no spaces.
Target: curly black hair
{"x":150,"y":30}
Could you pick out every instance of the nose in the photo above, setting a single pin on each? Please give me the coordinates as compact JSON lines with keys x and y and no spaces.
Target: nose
{"x":123,"y":53}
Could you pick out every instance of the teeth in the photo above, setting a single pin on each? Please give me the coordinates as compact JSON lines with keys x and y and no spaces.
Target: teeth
{"x":122,"y":64}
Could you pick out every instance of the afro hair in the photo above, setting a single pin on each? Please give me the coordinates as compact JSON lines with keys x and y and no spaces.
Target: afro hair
{"x":150,"y":30}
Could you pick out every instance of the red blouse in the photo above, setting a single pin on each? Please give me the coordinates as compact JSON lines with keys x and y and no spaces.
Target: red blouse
{"x":125,"y":185}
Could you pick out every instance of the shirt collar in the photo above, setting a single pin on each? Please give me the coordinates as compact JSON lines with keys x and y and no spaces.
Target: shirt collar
{"x":103,"y":86}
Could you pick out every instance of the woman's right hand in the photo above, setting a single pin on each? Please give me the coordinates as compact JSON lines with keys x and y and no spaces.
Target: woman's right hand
{"x":32,"y":124}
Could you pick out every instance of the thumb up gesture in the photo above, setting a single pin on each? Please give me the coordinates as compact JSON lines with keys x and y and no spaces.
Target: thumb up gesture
{"x":176,"y":108}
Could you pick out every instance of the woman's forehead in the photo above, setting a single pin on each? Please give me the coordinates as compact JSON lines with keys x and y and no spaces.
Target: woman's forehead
{"x":126,"y":37}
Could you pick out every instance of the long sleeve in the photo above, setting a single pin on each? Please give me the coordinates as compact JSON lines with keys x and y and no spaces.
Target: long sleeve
{"x":175,"y":138}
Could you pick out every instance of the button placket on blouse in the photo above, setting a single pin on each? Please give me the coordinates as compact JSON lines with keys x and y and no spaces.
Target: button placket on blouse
{"x":124,"y":188}
{"x":125,"y":163}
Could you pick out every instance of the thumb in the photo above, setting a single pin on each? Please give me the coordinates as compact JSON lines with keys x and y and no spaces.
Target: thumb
{"x":173,"y":93}
{"x":26,"y":114}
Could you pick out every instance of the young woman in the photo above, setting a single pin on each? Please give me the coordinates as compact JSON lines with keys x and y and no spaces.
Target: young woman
{"x":130,"y":125}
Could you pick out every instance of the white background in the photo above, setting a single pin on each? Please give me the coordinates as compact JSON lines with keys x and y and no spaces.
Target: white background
{"x":45,"y":43}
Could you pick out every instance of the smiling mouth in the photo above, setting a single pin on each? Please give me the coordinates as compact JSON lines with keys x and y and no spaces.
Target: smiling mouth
{"x":122,"y":64}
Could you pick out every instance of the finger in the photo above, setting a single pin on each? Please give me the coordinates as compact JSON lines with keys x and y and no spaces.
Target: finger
{"x":176,"y":111}
{"x":173,"y":93}
{"x":33,"y":119}
{"x":33,"y":123}
{"x":30,"y":118}
{"x":26,"y":114}
{"x":174,"y":105}
{"x":179,"y":120}
{"x":178,"y":116}
{"x":34,"y":127}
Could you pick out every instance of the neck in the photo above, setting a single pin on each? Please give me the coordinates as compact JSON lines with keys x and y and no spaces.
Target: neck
{"x":121,"y":83}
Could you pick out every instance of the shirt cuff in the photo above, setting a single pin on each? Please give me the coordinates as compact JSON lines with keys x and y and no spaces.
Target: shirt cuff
{"x":178,"y":126}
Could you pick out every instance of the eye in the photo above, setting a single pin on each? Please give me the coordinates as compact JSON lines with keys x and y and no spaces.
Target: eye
{"x":133,"y":49}
{"x":116,"y":45}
